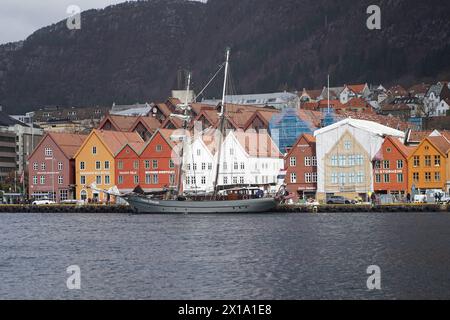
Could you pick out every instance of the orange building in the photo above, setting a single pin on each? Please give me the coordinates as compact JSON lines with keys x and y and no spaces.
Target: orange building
{"x":391,"y":168}
{"x":427,"y":165}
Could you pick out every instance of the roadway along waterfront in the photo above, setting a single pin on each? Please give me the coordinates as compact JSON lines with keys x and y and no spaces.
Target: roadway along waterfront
{"x":276,"y":256}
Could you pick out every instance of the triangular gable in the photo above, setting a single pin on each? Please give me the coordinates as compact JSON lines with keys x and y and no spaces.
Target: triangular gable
{"x":170,"y":143}
{"x":432,"y":144}
{"x":94,"y":132}
{"x":302,"y":137}
{"x":48,"y":135}
{"x":107,"y":119}
{"x":255,"y":116}
{"x":127,"y":145}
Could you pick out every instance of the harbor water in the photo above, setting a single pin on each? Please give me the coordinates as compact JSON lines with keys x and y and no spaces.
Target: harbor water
{"x":266,"y":256}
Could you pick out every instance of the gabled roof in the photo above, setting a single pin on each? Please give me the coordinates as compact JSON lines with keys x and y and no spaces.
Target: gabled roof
{"x":404,"y":150}
{"x":441,"y":143}
{"x":417,"y":136}
{"x":311,"y":140}
{"x":166,"y":134}
{"x":114,"y":141}
{"x":258,"y":145}
{"x":120,"y":123}
{"x":357,"y":88}
{"x":150,"y":123}
{"x":68,"y":143}
{"x":357,"y":102}
{"x":370,"y":126}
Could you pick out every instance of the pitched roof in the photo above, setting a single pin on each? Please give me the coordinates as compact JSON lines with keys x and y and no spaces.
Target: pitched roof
{"x":121,"y":123}
{"x":258,"y":145}
{"x":370,"y":126}
{"x":357,"y":88}
{"x":406,"y":151}
{"x":116,"y":140}
{"x":417,"y":136}
{"x":440,"y":143}
{"x":357,"y":102}
{"x":69,"y":143}
{"x":151,"y":123}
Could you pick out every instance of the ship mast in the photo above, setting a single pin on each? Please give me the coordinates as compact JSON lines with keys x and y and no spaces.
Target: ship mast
{"x":185,"y":118}
{"x":221,"y":124}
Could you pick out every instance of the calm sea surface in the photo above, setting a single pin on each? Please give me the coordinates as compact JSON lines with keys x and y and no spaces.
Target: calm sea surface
{"x":295,"y":256}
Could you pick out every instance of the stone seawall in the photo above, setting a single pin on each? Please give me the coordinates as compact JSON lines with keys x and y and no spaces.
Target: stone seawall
{"x":65,"y":209}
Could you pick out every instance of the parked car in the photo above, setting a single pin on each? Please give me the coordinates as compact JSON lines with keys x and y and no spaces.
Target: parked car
{"x":339,"y":200}
{"x":42,"y":202}
{"x":420,"y":198}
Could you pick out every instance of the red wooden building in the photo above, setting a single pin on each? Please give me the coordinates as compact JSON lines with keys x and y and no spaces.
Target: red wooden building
{"x":158,"y":161}
{"x":301,"y":168}
{"x":391,"y":168}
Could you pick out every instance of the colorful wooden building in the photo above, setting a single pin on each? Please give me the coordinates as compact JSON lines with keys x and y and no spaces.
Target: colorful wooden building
{"x":95,"y":162}
{"x":52,"y":167}
{"x":391,"y":168}
{"x":427,"y":165}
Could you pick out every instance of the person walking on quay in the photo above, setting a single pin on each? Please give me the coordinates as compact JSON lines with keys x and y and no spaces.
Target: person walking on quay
{"x":373,"y":197}
{"x":408,"y":198}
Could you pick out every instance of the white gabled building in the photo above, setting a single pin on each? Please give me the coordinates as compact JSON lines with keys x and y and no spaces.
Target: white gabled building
{"x":247,"y":159}
{"x":345,"y":154}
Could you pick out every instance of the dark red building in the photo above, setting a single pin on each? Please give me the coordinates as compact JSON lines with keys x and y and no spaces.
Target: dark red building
{"x":301,"y":168}
{"x":52,"y":167}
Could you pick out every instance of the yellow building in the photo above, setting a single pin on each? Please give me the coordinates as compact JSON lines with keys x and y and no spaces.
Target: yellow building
{"x":95,"y":162}
{"x":427,"y":165}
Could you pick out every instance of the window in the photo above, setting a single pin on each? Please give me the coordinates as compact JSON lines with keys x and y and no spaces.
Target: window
{"x":241,"y":180}
{"x":378,"y":178}
{"x":351,"y":177}
{"x":342,"y":178}
{"x":400,"y":177}
{"x":437,"y":176}
{"x":308,"y":177}
{"x":378,"y":164}
{"x":416,"y":161}
{"x":387,"y":178}
{"x":242,"y":166}
{"x":147,"y":164}
{"x":314,"y":177}
{"x":342,"y":161}
{"x":107,"y":180}
{"x":334,"y":161}
{"x":98,"y":180}
{"x":235,"y":181}
{"x":225,"y":180}
{"x":194,"y":166}
{"x":35,"y":180}
{"x":98,"y":165}
{"x":437,"y":161}
{"x":156,"y":179}
{"x":225,"y":166}
{"x":120,"y":164}
{"x":231,"y":152}
{"x":172,"y":179}
{"x":48,"y":152}
{"x":94,"y":150}
{"x":171,"y":164}
{"x":203,"y":166}
{"x":136,"y":179}
{"x":293,"y":178}
{"x":314,"y":161}
{"x":359,"y":160}
{"x":360,"y":177}
{"x":120,"y":179}
{"x":158,"y":148}
{"x":415,"y":176}
{"x":388,"y":150}
{"x":60,"y":166}
{"x":155,"y":164}
{"x":293,"y":161}
{"x":203,"y":180}
{"x":148,"y":179}
{"x":63,"y":195}
{"x":236,"y":166}
{"x":347,"y":145}
{"x":428,"y":176}
{"x":427,"y":161}
{"x":308,"y":162}
{"x":42,"y":179}
{"x":199,"y":152}
{"x":35,"y":166}
{"x":82,"y":165}
{"x":210,"y":166}
{"x":43,"y":166}
{"x":136,"y":164}
{"x":351,"y":160}
{"x":334,"y":178}
{"x":60,"y":180}
{"x":386,"y":164}
{"x":400,"y":164}
{"x":106,"y":165}
{"x":82,"y":180}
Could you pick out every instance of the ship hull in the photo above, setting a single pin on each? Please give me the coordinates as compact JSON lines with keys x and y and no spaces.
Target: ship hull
{"x":143,"y":205}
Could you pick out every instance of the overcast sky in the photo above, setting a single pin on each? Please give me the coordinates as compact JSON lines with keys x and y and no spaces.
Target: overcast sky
{"x":20,"y":18}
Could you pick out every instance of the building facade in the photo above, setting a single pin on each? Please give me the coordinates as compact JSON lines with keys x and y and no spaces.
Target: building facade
{"x":52,"y":167}
{"x":301,"y":168}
